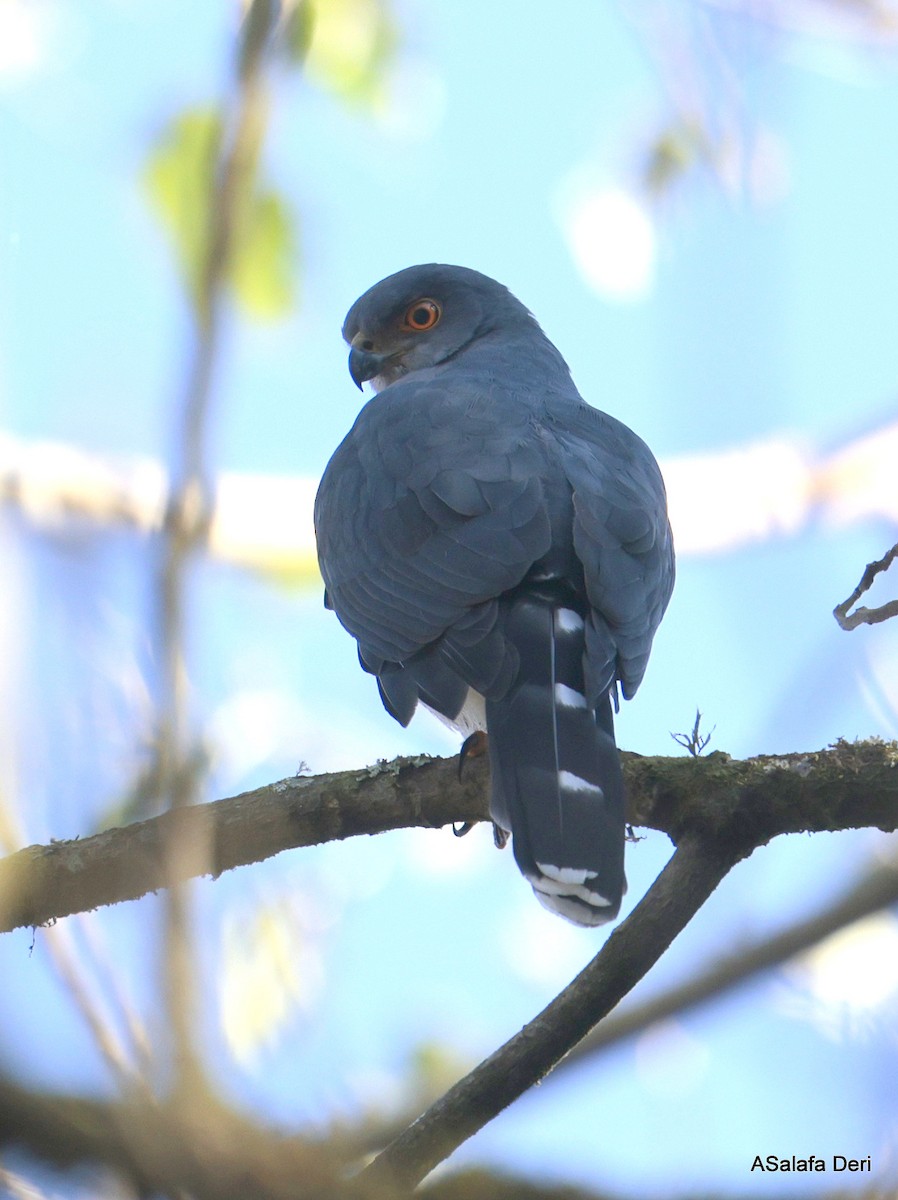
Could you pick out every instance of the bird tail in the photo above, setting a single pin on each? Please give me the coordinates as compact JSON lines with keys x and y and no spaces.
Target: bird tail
{"x":556,"y":774}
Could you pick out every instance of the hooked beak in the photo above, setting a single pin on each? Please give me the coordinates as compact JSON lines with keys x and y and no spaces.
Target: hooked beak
{"x":363,"y":365}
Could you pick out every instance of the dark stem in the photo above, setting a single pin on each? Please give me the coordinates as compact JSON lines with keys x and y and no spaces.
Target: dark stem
{"x":868,"y":616}
{"x":633,"y":948}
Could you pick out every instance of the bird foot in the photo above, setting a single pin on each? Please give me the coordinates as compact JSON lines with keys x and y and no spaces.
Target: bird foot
{"x":472,"y":747}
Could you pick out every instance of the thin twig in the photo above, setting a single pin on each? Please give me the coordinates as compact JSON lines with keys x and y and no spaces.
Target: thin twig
{"x":868,"y":616}
{"x":73,"y":973}
{"x":113,"y":984}
{"x":70,"y":971}
{"x":190,"y":509}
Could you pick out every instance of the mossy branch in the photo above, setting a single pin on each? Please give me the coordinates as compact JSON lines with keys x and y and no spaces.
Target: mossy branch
{"x":739,"y":803}
{"x":715,"y":809}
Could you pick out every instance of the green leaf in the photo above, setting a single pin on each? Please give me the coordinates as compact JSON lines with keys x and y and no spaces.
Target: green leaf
{"x":179,"y":179}
{"x":352,"y":44}
{"x":268,"y":969}
{"x":434,"y":1067}
{"x":676,"y":150}
{"x":262,"y":272}
{"x":299,"y":23}
{"x":180,"y":182}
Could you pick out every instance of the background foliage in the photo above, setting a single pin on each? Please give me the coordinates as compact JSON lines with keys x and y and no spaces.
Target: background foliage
{"x":697,"y":201}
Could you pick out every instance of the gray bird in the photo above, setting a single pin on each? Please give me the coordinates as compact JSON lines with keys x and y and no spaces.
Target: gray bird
{"x":501,"y":553}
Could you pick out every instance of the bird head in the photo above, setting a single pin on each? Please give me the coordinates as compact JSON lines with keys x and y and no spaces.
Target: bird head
{"x":422,"y":316}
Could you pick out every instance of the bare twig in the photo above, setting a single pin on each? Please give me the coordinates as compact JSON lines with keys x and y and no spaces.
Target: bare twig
{"x":112,"y":983}
{"x":694,"y":741}
{"x":70,"y":971}
{"x":868,"y":616}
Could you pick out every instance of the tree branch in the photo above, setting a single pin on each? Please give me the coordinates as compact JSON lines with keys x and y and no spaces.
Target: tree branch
{"x":717,"y":809}
{"x":229,"y":188}
{"x":739,"y":806}
{"x":206,"y":1149}
{"x":41,"y":883}
{"x":479,"y":1184}
{"x":874,"y":891}
{"x":635,"y":945}
{"x":849,"y":786}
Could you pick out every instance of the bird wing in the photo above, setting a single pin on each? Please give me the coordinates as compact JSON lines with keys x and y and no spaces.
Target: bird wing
{"x":622,"y":538}
{"x":430,"y":508}
{"x":439,"y":503}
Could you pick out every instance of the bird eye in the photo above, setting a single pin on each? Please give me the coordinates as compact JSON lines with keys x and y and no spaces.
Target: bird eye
{"x":423,"y":314}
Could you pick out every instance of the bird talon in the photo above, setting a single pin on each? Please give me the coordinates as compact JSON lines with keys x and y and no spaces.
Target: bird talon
{"x":500,"y":836}
{"x":473,"y":746}
{"x":460,"y":829}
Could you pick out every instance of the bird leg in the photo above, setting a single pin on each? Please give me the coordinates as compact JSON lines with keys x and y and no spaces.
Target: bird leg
{"x":473,"y":746}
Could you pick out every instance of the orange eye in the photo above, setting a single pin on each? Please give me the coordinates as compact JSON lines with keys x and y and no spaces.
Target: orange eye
{"x":423,"y":314}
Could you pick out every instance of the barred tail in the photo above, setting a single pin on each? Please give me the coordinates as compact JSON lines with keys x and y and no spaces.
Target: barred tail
{"x":556,"y":774}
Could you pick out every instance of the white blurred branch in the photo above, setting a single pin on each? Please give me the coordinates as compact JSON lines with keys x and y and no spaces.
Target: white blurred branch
{"x":718,"y":501}
{"x":777,"y":487}
{"x":260,"y":521}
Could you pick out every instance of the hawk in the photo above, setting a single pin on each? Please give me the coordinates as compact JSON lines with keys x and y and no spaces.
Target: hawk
{"x":501,"y":552}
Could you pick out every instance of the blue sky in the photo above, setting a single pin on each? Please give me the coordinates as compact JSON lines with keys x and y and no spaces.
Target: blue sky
{"x":721,"y":317}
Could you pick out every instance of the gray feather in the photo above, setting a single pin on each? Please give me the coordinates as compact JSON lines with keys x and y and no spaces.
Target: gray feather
{"x":475,"y":499}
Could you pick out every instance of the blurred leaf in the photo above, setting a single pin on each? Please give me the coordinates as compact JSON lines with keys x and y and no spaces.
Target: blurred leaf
{"x":262,"y":272}
{"x":352,"y":44}
{"x":434,"y":1067}
{"x":268,"y":968}
{"x":677,"y":150}
{"x":298,"y":26}
{"x":179,"y":180}
{"x":296,"y":573}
